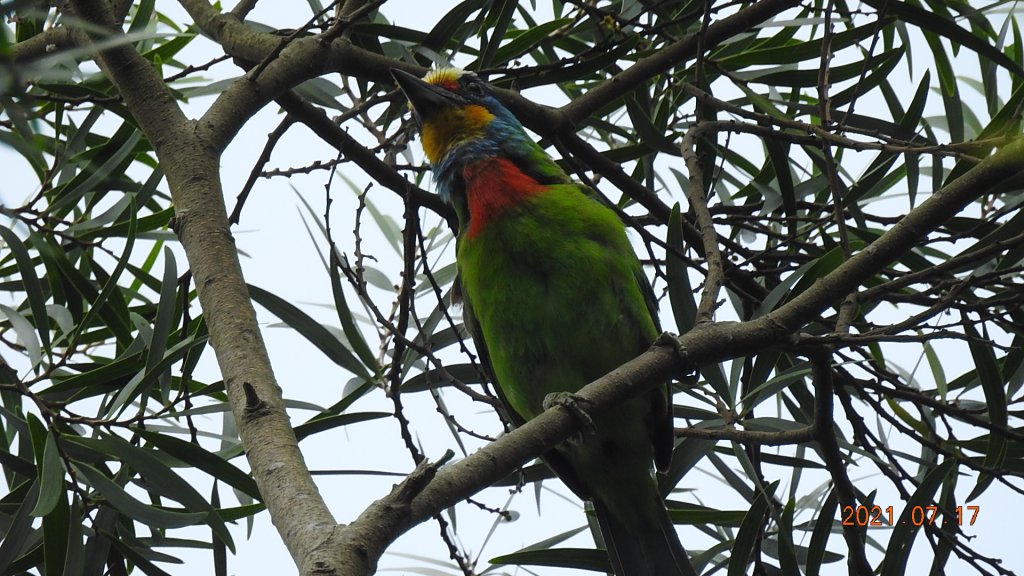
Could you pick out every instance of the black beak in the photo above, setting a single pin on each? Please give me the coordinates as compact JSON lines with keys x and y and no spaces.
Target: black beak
{"x":426,"y":99}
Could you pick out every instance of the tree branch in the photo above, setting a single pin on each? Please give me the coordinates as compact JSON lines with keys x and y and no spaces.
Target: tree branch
{"x":192,"y":168}
{"x":706,"y":226}
{"x":825,"y":436}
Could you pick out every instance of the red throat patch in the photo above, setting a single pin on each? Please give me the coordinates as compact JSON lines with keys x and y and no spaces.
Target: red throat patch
{"x":492,"y":185}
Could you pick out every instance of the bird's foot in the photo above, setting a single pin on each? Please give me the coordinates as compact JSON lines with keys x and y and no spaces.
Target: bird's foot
{"x":671,"y":340}
{"x":572,"y":403}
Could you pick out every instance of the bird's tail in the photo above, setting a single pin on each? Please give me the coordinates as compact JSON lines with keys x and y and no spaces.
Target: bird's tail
{"x":644,"y":544}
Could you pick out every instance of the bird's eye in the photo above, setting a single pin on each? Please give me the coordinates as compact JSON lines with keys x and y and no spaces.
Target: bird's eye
{"x":475,"y":88}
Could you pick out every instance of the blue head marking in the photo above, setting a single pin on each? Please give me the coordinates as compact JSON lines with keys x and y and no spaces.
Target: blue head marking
{"x":503,"y":136}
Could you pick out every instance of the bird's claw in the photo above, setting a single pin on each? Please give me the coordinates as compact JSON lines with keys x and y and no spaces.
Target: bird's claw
{"x":572,"y":403}
{"x":672,"y":341}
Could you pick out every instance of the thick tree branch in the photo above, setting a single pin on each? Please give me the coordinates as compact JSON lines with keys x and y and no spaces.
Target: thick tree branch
{"x":43,"y":44}
{"x":192,"y":168}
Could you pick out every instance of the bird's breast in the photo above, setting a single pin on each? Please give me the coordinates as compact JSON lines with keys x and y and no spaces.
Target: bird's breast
{"x":492,"y":186}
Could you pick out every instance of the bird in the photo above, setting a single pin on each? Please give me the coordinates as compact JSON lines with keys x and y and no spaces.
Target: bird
{"x":554,"y":297}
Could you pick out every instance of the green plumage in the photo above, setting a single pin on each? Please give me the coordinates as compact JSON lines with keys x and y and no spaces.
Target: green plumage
{"x":558,"y":295}
{"x":555,"y":298}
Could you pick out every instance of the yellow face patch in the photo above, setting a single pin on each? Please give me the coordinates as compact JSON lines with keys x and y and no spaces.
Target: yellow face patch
{"x":446,"y":129}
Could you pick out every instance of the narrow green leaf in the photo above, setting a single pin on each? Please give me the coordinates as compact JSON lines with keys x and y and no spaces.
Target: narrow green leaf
{"x":148,"y":223}
{"x":347,"y":319}
{"x":501,"y":14}
{"x":135,"y":556}
{"x":74,"y":562}
{"x":100,"y":380}
{"x":102,"y":303}
{"x":687,"y":453}
{"x":465,"y":373}
{"x":774,"y":385}
{"x":105,"y":165}
{"x":319,"y":424}
{"x":14,"y":466}
{"x":142,"y":273}
{"x":220,"y":552}
{"x":785,"y":75}
{"x":198,"y":457}
{"x":949,"y":90}
{"x":18,"y":529}
{"x":638,"y":109}
{"x":902,"y":539}
{"x":56,"y":536}
{"x":310,"y":329}
{"x":877,"y":74}
{"x":164,"y":321}
{"x":749,"y":533}
{"x":160,"y":478}
{"x":51,"y":477}
{"x":26,"y":334}
{"x":819,"y":536}
{"x":700,"y":517}
{"x":574,"y":558}
{"x":951,"y":526}
{"x":23,"y":138}
{"x":932,"y":22}
{"x":126,"y":504}
{"x":584,"y":68}
{"x":143,"y":380}
{"x":98,"y":546}
{"x":143,"y":13}
{"x":168,"y":50}
{"x":1006,"y":122}
{"x":992,"y":384}
{"x":321,"y":92}
{"x":779,"y":155}
{"x":108,"y":216}
{"x":781,"y":291}
{"x":30,"y":281}
{"x":797,"y":51}
{"x":446,"y":28}
{"x":165,"y":310}
{"x":680,"y":292}
{"x":528,"y":39}
{"x":787,"y":550}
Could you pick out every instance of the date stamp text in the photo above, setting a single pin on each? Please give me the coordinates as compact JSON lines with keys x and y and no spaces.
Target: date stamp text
{"x":918,"y":516}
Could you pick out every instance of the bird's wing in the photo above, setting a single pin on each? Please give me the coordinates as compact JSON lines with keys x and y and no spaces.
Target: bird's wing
{"x":638,"y":270}
{"x":473,"y":328}
{"x":552,"y":458}
{"x":650,"y":300}
{"x":660,"y":427}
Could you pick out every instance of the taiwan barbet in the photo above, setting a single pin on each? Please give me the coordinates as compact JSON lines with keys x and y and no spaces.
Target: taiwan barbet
{"x":554,"y":297}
